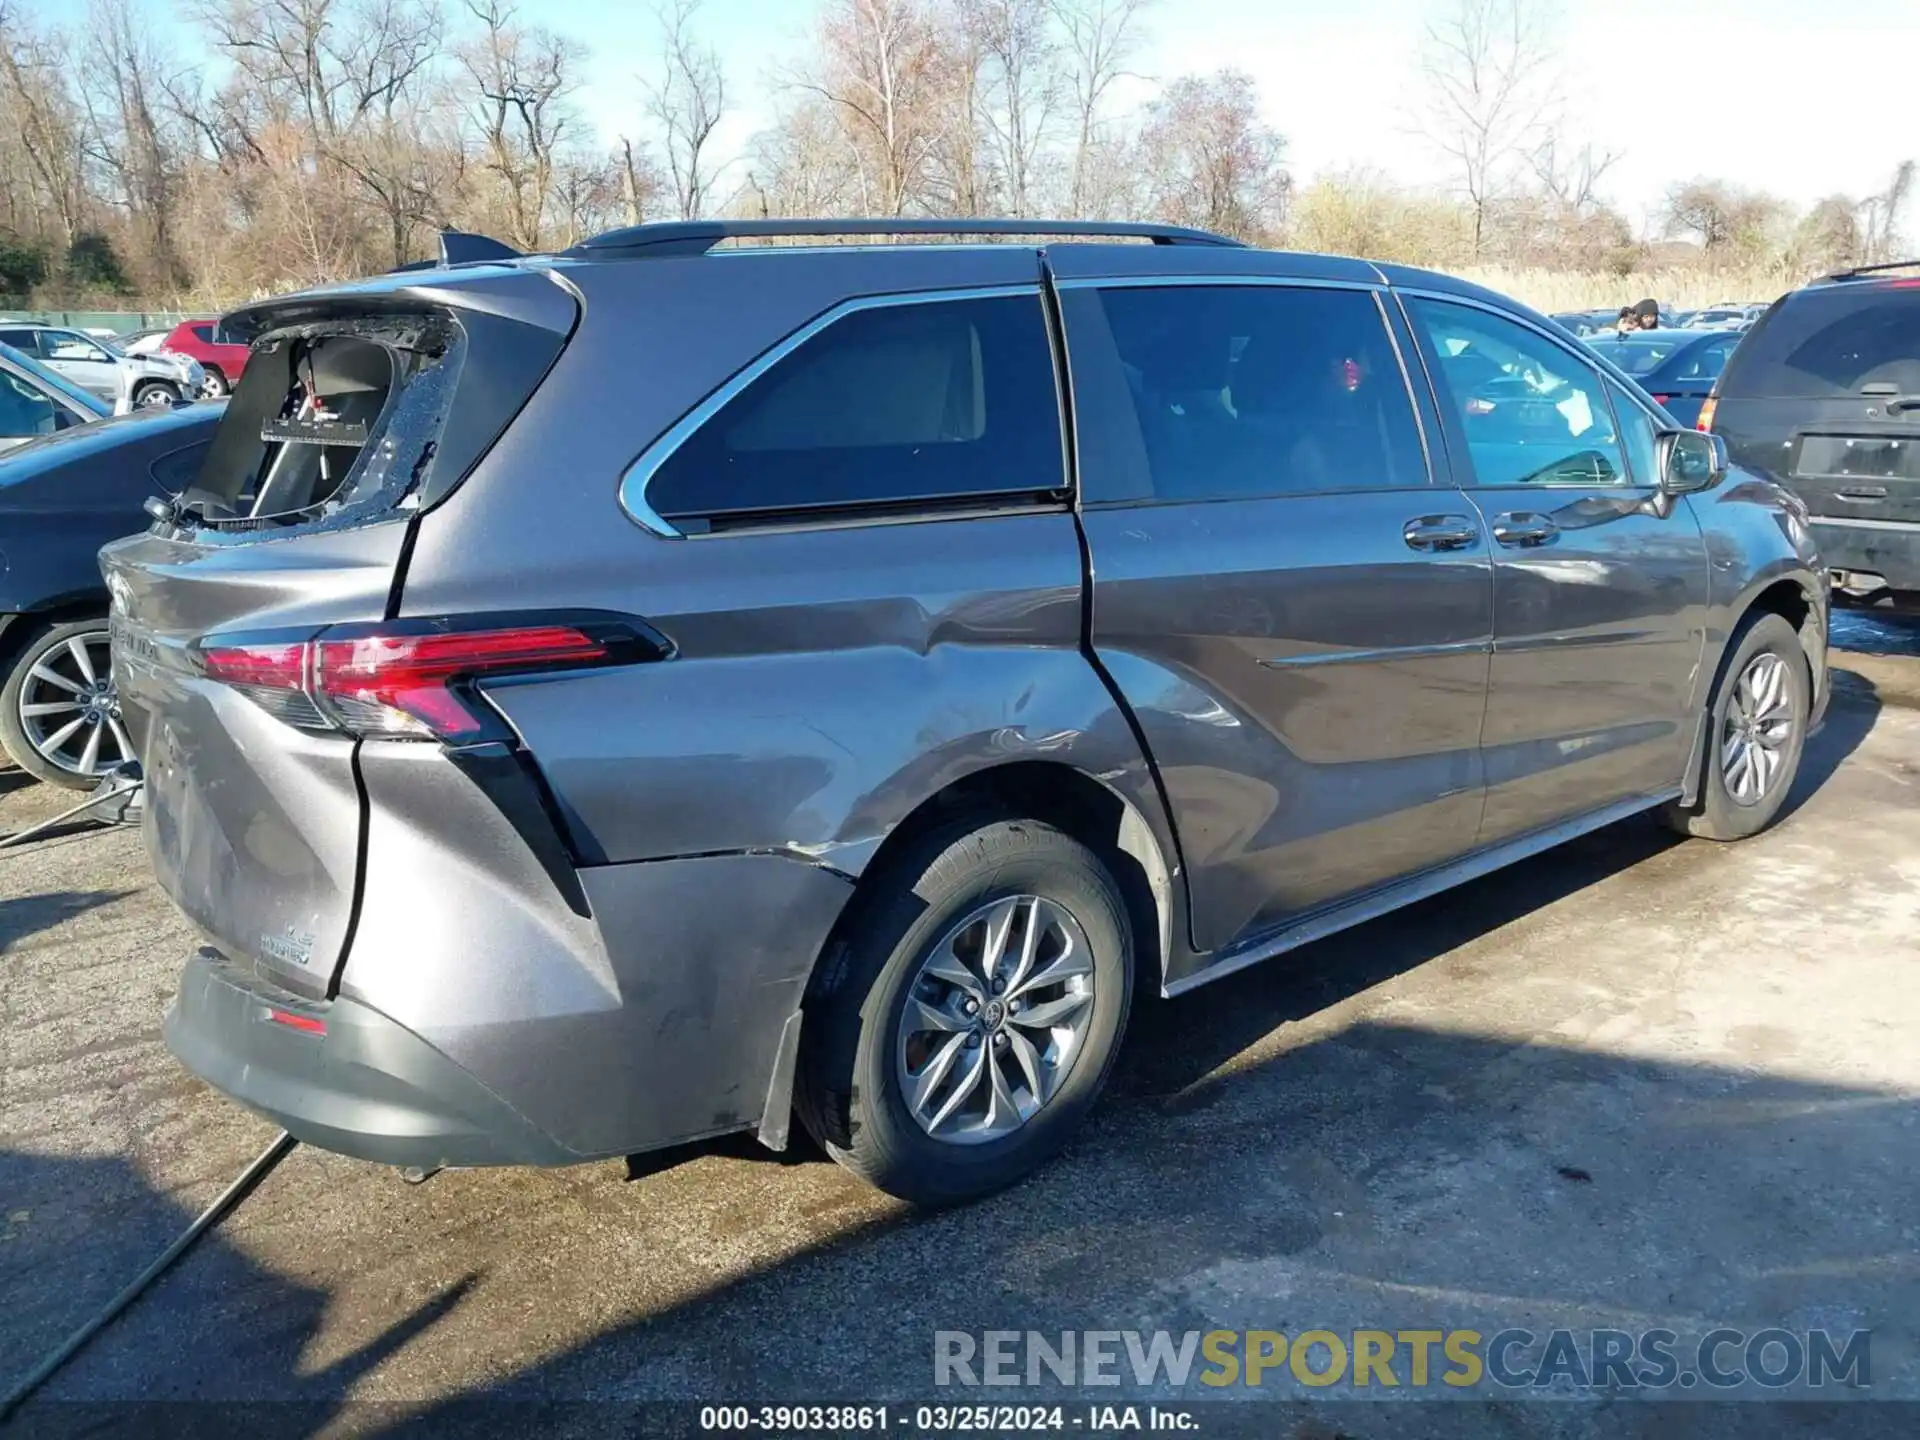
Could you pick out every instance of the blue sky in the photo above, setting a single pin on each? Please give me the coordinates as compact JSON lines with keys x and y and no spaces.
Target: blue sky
{"x":1801,"y":97}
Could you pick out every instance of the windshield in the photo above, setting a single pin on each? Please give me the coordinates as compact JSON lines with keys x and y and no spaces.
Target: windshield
{"x":52,"y":380}
{"x":1636,"y":357}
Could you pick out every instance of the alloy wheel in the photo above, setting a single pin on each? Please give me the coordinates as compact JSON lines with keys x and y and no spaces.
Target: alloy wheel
{"x":1759,"y":729}
{"x":69,"y":709}
{"x":995,"y":1019}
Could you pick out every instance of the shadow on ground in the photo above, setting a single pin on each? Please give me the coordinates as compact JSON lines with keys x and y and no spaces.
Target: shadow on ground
{"x":32,"y":914}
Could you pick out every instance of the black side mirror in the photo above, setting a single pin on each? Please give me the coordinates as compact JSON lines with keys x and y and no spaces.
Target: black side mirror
{"x":1690,"y":461}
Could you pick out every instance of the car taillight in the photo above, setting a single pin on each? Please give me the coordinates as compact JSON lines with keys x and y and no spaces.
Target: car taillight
{"x":409,"y":679}
{"x":1705,"y":422}
{"x":1661,"y":399}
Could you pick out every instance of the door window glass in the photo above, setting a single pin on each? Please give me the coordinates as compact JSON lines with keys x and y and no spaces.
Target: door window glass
{"x":64,"y":345}
{"x":1532,"y":412}
{"x":24,"y":410}
{"x":1638,"y":435}
{"x":1249,"y":391}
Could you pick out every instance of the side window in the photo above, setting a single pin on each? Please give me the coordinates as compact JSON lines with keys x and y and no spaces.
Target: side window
{"x":1638,"y":435}
{"x":27,"y":342}
{"x":1708,"y":361}
{"x":1532,"y":412}
{"x":65,"y":345}
{"x":931,"y":402}
{"x":24,"y":410}
{"x":202,"y":333}
{"x":1251,"y":391}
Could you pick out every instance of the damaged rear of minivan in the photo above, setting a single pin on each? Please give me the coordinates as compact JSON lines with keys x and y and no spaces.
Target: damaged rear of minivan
{"x":253,"y":637}
{"x":559,"y":686}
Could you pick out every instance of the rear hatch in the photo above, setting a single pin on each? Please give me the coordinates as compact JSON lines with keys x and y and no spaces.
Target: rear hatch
{"x":1823,"y":395}
{"x":360,"y":408}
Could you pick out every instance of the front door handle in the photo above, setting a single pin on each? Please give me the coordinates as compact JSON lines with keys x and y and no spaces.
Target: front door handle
{"x":1523,"y":529}
{"x":1441,"y":532}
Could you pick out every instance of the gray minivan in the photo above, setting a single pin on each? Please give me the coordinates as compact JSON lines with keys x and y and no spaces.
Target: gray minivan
{"x":596,"y":701}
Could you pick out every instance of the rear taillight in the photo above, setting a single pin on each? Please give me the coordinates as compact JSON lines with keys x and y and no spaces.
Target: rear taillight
{"x":1661,"y":399}
{"x":410,"y":679}
{"x":1705,"y":422}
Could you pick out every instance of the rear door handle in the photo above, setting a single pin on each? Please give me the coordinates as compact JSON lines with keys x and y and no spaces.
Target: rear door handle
{"x":1441,"y":532}
{"x":1520,"y":529}
{"x":1900,"y":404}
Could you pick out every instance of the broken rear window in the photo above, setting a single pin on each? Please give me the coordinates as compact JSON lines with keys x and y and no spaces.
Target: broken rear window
{"x":333,"y":423}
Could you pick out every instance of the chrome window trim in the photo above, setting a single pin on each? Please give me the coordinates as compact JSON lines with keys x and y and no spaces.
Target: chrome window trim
{"x":633,"y":484}
{"x":1155,"y":282}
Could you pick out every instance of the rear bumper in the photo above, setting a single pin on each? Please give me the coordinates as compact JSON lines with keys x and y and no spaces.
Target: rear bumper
{"x":365,"y":1086}
{"x":1886,"y":548}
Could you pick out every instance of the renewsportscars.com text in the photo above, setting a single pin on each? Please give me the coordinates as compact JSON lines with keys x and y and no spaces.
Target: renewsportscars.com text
{"x":1514,"y":1359}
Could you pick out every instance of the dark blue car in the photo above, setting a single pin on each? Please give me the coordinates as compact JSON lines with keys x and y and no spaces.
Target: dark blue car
{"x":1676,"y":367}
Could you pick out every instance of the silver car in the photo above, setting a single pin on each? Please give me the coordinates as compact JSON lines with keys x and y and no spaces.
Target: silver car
{"x":127,"y":382}
{"x":36,"y":401}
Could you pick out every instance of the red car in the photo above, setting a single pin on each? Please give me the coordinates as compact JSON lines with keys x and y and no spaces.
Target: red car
{"x":207,"y":342}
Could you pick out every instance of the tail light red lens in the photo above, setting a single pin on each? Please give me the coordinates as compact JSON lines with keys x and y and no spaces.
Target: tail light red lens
{"x":404,"y":681}
{"x":1705,"y":422}
{"x":401,"y":684}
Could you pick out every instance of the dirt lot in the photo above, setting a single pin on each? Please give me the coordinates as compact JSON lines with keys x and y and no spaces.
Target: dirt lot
{"x":1634,"y":1083}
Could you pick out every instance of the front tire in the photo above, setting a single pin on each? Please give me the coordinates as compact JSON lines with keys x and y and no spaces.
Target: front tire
{"x":59,"y":713}
{"x":156,"y":395}
{"x":1757,"y":730}
{"x":970,"y":1011}
{"x":214,"y":386}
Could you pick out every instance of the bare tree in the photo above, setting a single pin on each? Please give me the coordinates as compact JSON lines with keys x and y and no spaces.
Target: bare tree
{"x":1100,"y":38}
{"x":131,"y":134}
{"x":883,"y":69}
{"x":1571,"y":180}
{"x":1020,"y":86}
{"x":1210,"y":162}
{"x":1721,"y":216}
{"x":522,"y":77}
{"x":687,"y":101}
{"x":1880,"y":215}
{"x":1490,"y":93}
{"x":639,"y":181}
{"x":804,"y":165}
{"x":41,"y":114}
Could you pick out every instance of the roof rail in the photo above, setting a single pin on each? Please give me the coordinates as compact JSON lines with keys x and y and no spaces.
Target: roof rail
{"x":696,"y":237}
{"x":1859,"y":271}
{"x":457,"y":247}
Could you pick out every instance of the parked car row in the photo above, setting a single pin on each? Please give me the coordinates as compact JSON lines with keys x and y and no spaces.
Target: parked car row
{"x":126,"y":382}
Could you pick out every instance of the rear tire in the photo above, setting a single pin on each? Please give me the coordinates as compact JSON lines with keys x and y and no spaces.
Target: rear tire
{"x":1034,"y":1075}
{"x":41,"y":743}
{"x":214,"y":386}
{"x":1757,"y":729}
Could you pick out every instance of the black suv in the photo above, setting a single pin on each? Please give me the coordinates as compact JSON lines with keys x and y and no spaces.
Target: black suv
{"x":595,"y":701}
{"x":1823,"y":396}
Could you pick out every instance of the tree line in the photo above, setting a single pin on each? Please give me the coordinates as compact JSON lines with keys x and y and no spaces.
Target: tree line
{"x":328,"y":139}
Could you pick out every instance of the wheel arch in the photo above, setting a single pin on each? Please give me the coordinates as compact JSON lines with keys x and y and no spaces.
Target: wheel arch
{"x":1796,"y":598}
{"x":1065,"y":796}
{"x":15,"y":628}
